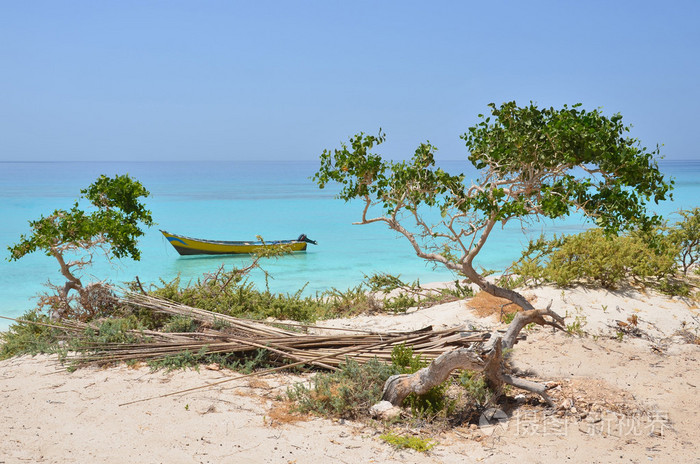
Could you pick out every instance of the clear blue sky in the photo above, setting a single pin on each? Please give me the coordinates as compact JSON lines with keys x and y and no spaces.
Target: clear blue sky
{"x":278,"y":80}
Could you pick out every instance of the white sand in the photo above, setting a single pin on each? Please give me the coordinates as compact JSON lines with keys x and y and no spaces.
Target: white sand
{"x":49,"y":415}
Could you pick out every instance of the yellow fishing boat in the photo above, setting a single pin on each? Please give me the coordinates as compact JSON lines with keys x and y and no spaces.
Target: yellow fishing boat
{"x":195,"y":246}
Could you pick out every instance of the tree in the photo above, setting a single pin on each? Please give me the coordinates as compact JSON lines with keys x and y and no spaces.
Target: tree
{"x":72,"y":236}
{"x":533,"y":163}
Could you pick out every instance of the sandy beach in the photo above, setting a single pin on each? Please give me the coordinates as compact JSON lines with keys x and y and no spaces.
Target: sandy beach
{"x":632,"y":399}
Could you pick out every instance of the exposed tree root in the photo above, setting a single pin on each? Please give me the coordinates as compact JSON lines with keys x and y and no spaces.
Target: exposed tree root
{"x":521,"y":320}
{"x":489,"y":360}
{"x":398,"y":387}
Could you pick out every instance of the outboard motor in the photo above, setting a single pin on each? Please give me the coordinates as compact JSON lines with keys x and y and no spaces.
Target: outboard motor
{"x":304,"y":238}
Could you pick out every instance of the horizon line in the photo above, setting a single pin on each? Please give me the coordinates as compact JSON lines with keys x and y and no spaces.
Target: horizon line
{"x":696,"y":158}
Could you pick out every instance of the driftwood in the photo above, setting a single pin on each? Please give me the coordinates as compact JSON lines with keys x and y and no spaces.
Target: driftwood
{"x":488,"y":359}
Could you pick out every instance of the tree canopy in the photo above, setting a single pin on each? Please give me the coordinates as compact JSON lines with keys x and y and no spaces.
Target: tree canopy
{"x":533,"y":163}
{"x":115,"y":221}
{"x":113,"y":225}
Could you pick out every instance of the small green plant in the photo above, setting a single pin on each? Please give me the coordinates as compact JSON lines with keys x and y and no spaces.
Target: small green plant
{"x":404,"y":360}
{"x":350,"y":302}
{"x":459,"y":291}
{"x":476,"y":387}
{"x":189,"y":360}
{"x":576,"y":327}
{"x":674,"y":287}
{"x":221,"y":324}
{"x":419,"y":444}
{"x":507,"y":318}
{"x":180,"y":324}
{"x":385,"y":283}
{"x":511,"y":282}
{"x":412,"y":294}
{"x":112,"y":330}
{"x":400,"y":303}
{"x":183,"y":360}
{"x":228,"y":291}
{"x":351,"y":390}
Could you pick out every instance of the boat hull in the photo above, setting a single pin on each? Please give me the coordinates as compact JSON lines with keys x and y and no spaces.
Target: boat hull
{"x":188,"y":246}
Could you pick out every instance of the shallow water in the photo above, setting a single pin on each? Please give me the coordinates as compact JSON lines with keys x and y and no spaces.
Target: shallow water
{"x":238,"y":201}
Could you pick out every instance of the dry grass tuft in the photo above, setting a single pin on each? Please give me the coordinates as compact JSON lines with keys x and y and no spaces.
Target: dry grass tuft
{"x":485,"y":305}
{"x":282,"y":414}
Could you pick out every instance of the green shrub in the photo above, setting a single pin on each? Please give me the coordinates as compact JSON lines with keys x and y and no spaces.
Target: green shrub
{"x":595,"y":259}
{"x":458,"y":291}
{"x":113,"y":330}
{"x":230,"y":293}
{"x":30,"y":337}
{"x":385,"y":283}
{"x":346,"y":393}
{"x":189,"y":360}
{"x":183,"y":360}
{"x":405,"y":361}
{"x":400,"y":303}
{"x":350,"y":302}
{"x":350,"y":391}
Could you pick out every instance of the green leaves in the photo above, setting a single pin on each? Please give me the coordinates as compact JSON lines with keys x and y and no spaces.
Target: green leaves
{"x":112,"y":226}
{"x":533,"y":163}
{"x":568,"y":159}
{"x":594,"y":258}
{"x":116,"y":220}
{"x":407,"y":184}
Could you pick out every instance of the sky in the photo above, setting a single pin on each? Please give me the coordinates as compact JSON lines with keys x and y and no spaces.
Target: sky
{"x":283,"y":80}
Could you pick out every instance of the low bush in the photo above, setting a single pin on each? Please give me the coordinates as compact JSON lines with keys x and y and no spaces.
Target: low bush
{"x":350,"y":391}
{"x":347,"y":393}
{"x":30,"y":337}
{"x":230,"y":292}
{"x":595,"y":259}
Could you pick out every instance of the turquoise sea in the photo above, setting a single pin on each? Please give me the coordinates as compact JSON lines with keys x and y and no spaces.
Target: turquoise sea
{"x":237,"y":201}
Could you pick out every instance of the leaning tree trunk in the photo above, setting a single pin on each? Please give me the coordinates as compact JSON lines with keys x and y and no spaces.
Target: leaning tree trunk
{"x":488,"y":359}
{"x":495,"y":290}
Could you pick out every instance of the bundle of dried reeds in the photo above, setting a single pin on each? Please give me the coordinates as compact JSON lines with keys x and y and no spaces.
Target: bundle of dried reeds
{"x":246,"y":336}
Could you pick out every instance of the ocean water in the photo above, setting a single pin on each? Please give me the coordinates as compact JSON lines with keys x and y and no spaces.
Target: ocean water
{"x":238,"y":201}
